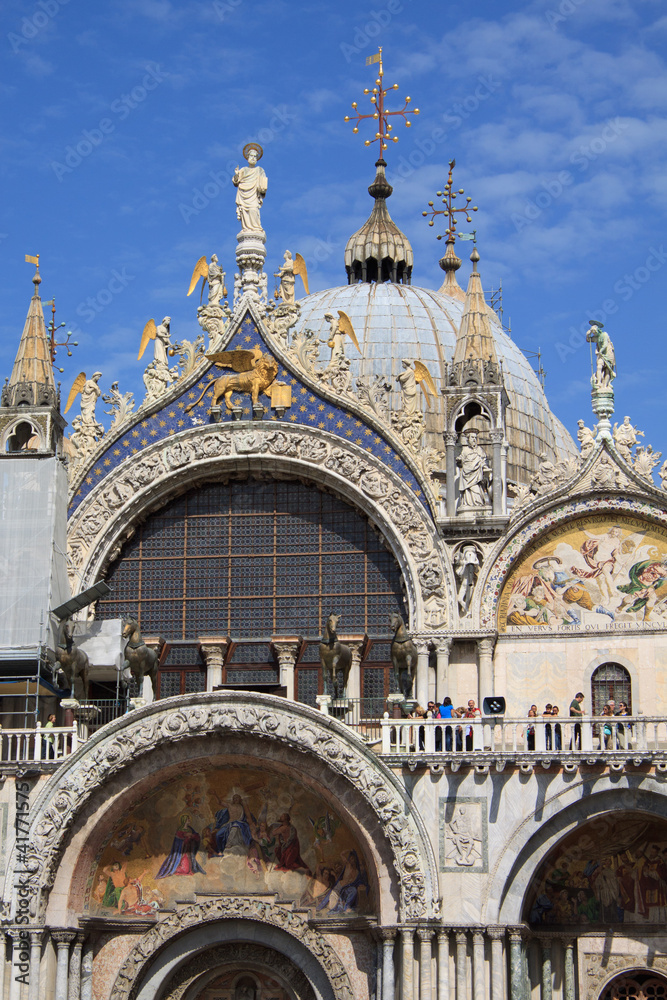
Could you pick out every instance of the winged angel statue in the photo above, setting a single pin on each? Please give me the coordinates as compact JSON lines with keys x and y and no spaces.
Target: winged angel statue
{"x":211,"y":275}
{"x":158,"y":375}
{"x":255,"y":374}
{"x":409,"y":420}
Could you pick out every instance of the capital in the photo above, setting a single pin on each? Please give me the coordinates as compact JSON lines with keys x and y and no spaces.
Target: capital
{"x":213,"y":649}
{"x":286,"y":652}
{"x":444,"y":646}
{"x":486,"y":646}
{"x":425,"y":934}
{"x":496,"y":933}
{"x":63,"y":938}
{"x":388,"y":934}
{"x":462,"y":938}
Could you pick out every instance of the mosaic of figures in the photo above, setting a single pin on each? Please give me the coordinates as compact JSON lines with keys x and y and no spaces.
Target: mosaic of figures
{"x":610,"y":870}
{"x":229,"y":830}
{"x":590,"y":571}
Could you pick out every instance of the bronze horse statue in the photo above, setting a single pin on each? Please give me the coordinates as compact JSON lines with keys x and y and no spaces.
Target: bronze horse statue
{"x":403,"y":656}
{"x":73,"y":662}
{"x":336,"y":659}
{"x":140,"y":658}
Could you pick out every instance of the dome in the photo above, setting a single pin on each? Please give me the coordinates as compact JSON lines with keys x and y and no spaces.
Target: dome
{"x":394,"y":321}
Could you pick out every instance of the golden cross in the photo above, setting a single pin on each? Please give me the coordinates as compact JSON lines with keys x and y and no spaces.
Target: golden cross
{"x":448,"y":196}
{"x":380,"y":114}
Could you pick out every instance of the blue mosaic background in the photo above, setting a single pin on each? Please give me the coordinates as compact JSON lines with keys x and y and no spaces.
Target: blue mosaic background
{"x":307,"y":408}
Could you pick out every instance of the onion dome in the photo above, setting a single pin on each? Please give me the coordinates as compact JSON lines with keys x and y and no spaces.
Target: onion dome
{"x":379,"y":251}
{"x":31,"y":382}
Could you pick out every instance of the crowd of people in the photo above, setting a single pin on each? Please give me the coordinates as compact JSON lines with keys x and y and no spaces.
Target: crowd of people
{"x":612,"y":735}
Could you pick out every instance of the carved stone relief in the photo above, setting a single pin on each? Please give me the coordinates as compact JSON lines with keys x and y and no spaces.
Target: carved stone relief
{"x":601,"y":969}
{"x":240,"y":955}
{"x":266,"y":911}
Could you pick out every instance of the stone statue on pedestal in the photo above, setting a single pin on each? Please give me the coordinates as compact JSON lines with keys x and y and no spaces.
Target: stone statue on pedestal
{"x":605,"y":372}
{"x":474,"y":474}
{"x":251,"y":184}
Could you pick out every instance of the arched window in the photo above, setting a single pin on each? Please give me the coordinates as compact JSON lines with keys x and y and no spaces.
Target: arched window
{"x":610,"y":681}
{"x":636,"y":986}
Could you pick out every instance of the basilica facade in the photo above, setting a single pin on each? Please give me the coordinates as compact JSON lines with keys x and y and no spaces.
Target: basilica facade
{"x":229,"y":620}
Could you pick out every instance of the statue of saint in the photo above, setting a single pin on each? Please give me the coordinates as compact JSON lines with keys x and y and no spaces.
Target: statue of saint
{"x":625,"y":438}
{"x":251,"y":184}
{"x":474,"y":473}
{"x":286,"y":276}
{"x":162,"y":342}
{"x":604,"y":353}
{"x":407,"y":380}
{"x":90,"y":393}
{"x":216,"y":282}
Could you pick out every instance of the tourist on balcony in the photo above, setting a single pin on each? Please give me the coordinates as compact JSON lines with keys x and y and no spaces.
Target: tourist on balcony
{"x":558,"y":736}
{"x":530,"y":731}
{"x":623,"y":729}
{"x":447,"y":711}
{"x":576,"y":711}
{"x":471,"y":712}
{"x":547,"y":729}
{"x":606,"y":729}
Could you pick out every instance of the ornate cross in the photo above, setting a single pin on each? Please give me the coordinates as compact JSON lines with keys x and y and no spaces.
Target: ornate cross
{"x":380,"y":114}
{"x":448,"y":196}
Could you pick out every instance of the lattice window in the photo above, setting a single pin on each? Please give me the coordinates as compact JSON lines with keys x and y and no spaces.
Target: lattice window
{"x":610,"y":682}
{"x":307,"y":685}
{"x":637,"y":986}
{"x":254,"y":559}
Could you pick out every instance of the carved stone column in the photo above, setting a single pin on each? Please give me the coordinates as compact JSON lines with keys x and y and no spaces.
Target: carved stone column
{"x":388,"y":975}
{"x":354,"y":680}
{"x":35,"y":957}
{"x":425,"y":935}
{"x":213,"y":650}
{"x":568,"y":972}
{"x":450,"y":467}
{"x":478,"y":978}
{"x":63,"y":940}
{"x":497,"y":935}
{"x":485,"y":649}
{"x":87,"y":971}
{"x":407,"y":936}
{"x":461,"y":962}
{"x":287,"y":652}
{"x":421,"y":679}
{"x":547,"y":989}
{"x":517,"y":977}
{"x":3,"y":961}
{"x":443,"y":964}
{"x":442,"y":651}
{"x":20,"y":961}
{"x":497,"y":463}
{"x":74,"y":992}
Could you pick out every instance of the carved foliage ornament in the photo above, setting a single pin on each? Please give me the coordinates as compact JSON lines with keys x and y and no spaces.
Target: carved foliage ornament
{"x":125,"y":741}
{"x":265,"y":911}
{"x":95,"y":524}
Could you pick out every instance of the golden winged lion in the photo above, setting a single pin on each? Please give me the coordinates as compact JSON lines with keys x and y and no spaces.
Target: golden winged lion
{"x":255,"y":373}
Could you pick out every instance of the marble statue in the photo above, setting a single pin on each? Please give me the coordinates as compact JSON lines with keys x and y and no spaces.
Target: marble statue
{"x":461,"y":834}
{"x":286,"y":277}
{"x":466,"y":568}
{"x":216,"y":282}
{"x":586,"y":439}
{"x":90,"y":393}
{"x":604,"y":353}
{"x":474,"y":475}
{"x":663,"y":475}
{"x":407,"y":380}
{"x":251,"y":184}
{"x":158,"y":376}
{"x":86,"y":429}
{"x":625,"y":438}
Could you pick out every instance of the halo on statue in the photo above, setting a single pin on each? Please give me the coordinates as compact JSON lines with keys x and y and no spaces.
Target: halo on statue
{"x":591,"y":322}
{"x":253,"y":145}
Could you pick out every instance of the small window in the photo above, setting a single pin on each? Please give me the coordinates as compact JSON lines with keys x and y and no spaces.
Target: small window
{"x":610,"y":682}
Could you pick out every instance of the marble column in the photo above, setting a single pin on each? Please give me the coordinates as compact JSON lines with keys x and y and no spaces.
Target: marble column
{"x":353,"y":689}
{"x":442,"y":685}
{"x":421,"y":685}
{"x":485,"y":672}
{"x":407,"y":935}
{"x":20,"y":962}
{"x":461,"y":961}
{"x":3,"y":961}
{"x":87,"y":971}
{"x":517,"y":977}
{"x":450,"y":468}
{"x":425,"y":935}
{"x":443,"y":964}
{"x":287,"y":653}
{"x":547,"y":989}
{"x":35,"y":958}
{"x":498,"y":486}
{"x":75,"y":970}
{"x":568,"y":975}
{"x":63,"y":940}
{"x":478,"y":978}
{"x":497,"y":935}
{"x":213,"y":650}
{"x":388,"y":977}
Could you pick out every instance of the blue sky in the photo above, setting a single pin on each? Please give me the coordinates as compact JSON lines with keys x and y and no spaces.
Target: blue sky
{"x":554,"y":111}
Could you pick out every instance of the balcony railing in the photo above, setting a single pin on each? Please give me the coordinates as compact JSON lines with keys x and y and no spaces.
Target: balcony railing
{"x":459,"y":738}
{"x":26,"y":746}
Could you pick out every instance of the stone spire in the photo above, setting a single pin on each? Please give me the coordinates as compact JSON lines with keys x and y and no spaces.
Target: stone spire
{"x":31,"y":382}
{"x":379,"y":251}
{"x":474,"y":339}
{"x":450,"y":264}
